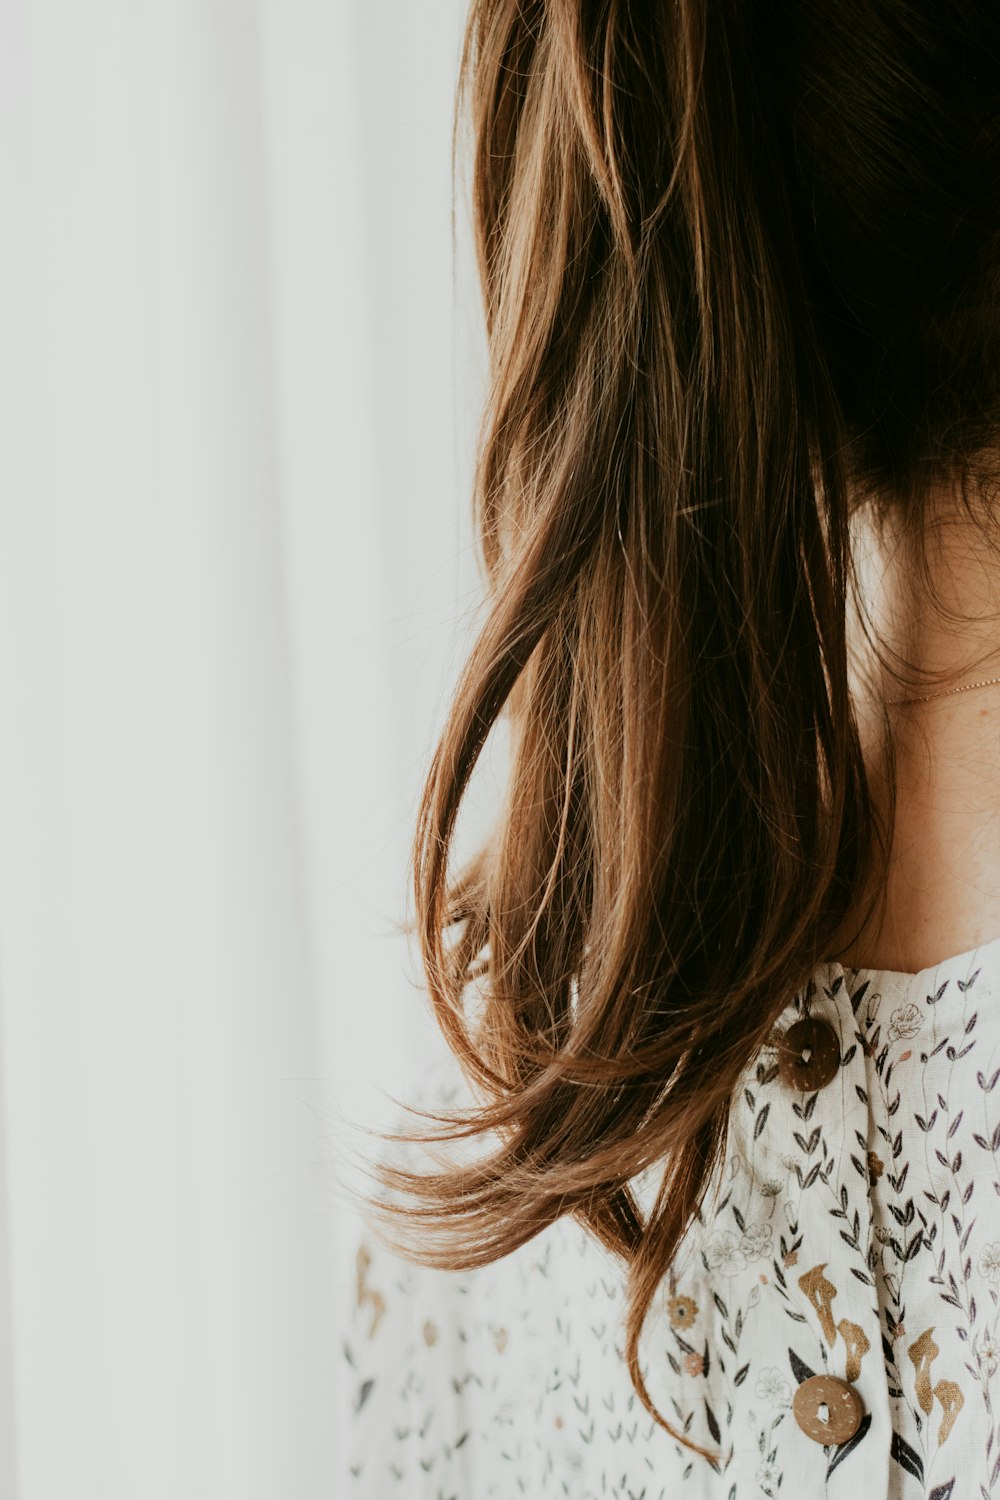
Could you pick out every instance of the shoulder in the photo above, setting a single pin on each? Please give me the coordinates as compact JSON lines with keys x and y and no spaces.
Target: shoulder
{"x":480,"y":1382}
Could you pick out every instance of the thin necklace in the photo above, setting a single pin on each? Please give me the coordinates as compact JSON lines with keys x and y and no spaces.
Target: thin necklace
{"x":926,"y":698}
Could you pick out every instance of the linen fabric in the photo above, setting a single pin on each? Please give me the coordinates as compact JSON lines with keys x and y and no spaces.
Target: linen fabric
{"x":852,"y":1231}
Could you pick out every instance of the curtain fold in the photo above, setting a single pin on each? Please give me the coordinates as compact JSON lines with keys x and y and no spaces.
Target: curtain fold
{"x":234,"y":573}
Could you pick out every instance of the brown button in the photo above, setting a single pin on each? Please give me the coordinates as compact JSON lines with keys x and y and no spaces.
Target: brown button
{"x":808,"y":1054}
{"x":827,"y":1409}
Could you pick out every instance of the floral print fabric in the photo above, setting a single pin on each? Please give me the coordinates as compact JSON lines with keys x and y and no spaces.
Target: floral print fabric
{"x":852,"y":1231}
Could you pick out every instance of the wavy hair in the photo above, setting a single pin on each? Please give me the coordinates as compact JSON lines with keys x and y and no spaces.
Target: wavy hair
{"x":738,"y":262}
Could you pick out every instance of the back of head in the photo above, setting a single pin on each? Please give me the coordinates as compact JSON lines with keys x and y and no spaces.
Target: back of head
{"x":739,"y":268}
{"x":888,"y":118}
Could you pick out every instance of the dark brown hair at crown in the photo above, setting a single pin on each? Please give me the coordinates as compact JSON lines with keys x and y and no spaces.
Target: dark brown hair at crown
{"x":738,"y":267}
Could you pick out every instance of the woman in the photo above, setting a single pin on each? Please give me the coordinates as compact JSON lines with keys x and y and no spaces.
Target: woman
{"x":724,"y":985}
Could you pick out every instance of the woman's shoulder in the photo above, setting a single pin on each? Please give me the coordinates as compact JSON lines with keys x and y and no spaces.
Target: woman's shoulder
{"x":480,"y":1381}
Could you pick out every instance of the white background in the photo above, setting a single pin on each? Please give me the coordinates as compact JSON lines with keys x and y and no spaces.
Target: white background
{"x":240,"y":368}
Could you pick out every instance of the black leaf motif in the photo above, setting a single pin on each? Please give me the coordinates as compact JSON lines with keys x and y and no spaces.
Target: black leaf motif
{"x":905,"y":1456}
{"x":955,"y":1123}
{"x":741,"y":1375}
{"x":800,"y":1369}
{"x":852,"y":1442}
{"x":761,"y":1120}
{"x":713,"y":1425}
{"x":942,"y":1491}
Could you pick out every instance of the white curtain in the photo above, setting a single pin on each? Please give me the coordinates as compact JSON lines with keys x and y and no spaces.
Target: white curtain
{"x":239,"y":368}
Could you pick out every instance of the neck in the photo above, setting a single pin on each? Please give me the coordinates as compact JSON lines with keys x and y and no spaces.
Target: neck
{"x":936,"y":761}
{"x":934,"y":603}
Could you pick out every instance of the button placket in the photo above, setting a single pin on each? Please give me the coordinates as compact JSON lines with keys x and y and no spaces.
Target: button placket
{"x":816,"y":1053}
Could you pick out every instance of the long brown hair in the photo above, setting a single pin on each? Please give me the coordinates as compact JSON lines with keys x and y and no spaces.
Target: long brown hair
{"x":738,"y":264}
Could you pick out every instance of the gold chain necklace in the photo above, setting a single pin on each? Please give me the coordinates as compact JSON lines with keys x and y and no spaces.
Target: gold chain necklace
{"x":926,"y":698}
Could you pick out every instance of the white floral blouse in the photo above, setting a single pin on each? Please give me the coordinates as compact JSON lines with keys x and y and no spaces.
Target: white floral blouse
{"x":854,"y":1232}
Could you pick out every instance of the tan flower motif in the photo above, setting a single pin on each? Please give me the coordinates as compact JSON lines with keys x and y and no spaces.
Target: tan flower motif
{"x":694,"y":1364}
{"x":821,"y":1291}
{"x":858,"y":1344}
{"x":950,"y":1396}
{"x":923,"y":1352}
{"x":430,"y":1333}
{"x":499,"y":1339}
{"x":682,"y":1311}
{"x":876,"y":1166}
{"x":791,"y":1258}
{"x":368,"y":1296}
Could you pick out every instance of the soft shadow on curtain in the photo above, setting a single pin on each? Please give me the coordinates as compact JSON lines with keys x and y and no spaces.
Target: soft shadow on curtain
{"x":236,"y":386}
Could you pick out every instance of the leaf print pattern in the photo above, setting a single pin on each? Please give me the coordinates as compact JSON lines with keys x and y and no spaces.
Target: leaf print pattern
{"x":853,"y":1231}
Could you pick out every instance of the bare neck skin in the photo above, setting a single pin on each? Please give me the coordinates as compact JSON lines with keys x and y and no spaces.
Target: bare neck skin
{"x":943,"y":877}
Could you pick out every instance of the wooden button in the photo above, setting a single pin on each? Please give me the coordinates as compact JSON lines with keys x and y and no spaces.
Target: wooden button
{"x":827,"y":1409}
{"x":808,"y":1054}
